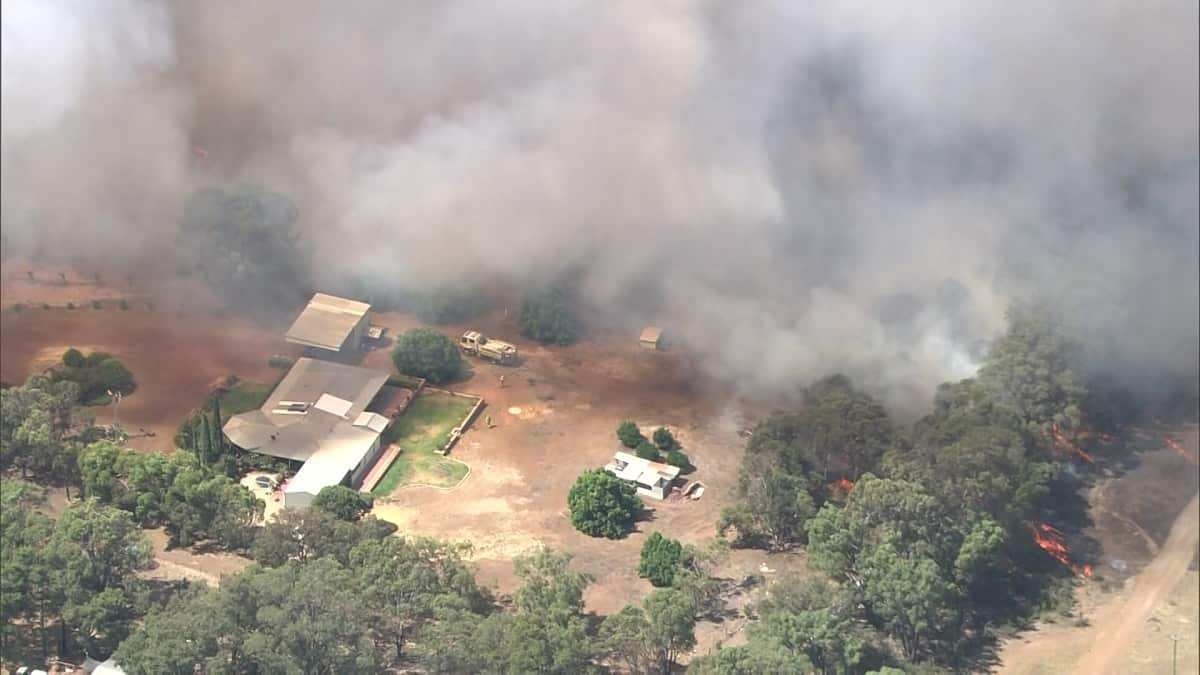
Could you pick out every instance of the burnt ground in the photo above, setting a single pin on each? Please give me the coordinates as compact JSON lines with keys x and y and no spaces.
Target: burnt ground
{"x":1144,"y":590}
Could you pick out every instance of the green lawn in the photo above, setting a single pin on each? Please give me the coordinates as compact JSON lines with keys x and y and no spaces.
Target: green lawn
{"x":244,"y":397}
{"x":421,"y":431}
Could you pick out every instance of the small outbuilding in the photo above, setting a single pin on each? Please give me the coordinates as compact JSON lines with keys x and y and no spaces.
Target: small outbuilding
{"x":652,"y":338}
{"x":652,"y":479}
{"x":329,"y":325}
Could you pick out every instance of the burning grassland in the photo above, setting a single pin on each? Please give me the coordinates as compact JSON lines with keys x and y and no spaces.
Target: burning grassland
{"x":1052,"y":540}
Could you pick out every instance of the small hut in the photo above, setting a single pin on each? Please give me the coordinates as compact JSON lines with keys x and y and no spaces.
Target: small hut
{"x":652,"y":338}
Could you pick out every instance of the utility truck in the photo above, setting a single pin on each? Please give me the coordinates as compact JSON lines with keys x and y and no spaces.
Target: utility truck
{"x":474,"y":343}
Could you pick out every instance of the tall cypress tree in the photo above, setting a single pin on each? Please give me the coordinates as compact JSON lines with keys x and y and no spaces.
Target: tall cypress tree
{"x":219,"y":446}
{"x":201,"y":445}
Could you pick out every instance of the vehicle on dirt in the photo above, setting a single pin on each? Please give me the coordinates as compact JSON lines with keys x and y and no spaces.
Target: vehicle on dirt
{"x":474,"y":343}
{"x":264,"y":482}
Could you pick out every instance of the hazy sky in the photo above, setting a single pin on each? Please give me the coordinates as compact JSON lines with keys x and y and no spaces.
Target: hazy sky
{"x":797,"y":188}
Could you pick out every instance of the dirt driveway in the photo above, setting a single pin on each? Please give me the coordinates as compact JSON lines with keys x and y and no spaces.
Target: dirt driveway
{"x":1130,"y":629}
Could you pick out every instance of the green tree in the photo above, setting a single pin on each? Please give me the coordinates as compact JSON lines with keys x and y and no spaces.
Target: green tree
{"x":94,"y":553}
{"x":679,"y":459}
{"x":647,"y":450}
{"x":424,"y":352}
{"x":625,"y":639}
{"x":1032,"y":369}
{"x":73,"y":358}
{"x":24,"y":582}
{"x":752,"y":658}
{"x":343,"y":503}
{"x":546,"y":317}
{"x":603,"y":505}
{"x":450,"y":303}
{"x":309,"y":534}
{"x":406,"y":582}
{"x":773,"y":509}
{"x":629,"y":434}
{"x":665,"y":440}
{"x":200,"y":505}
{"x":248,"y":242}
{"x":671,"y":615}
{"x":546,"y":632}
{"x":660,"y":559}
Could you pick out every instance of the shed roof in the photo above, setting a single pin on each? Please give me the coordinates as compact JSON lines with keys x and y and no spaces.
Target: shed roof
{"x":651,"y":334}
{"x":326,"y":321}
{"x":643,"y":471}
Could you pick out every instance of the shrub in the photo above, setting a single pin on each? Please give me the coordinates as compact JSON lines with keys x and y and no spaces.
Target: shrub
{"x":70,"y":305}
{"x":451,"y":303}
{"x":18,"y":308}
{"x":603,"y":505}
{"x":665,"y":440}
{"x":123,"y":304}
{"x":73,"y":358}
{"x":424,"y":352}
{"x":629,"y":434}
{"x":646,"y":450}
{"x":96,"y":304}
{"x":45,"y":305}
{"x":546,"y":318}
{"x":343,"y":503}
{"x":660,"y":559}
{"x":280,"y":361}
{"x":677,"y":458}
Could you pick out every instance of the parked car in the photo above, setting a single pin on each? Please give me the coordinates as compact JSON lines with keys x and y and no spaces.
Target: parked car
{"x":264,"y":482}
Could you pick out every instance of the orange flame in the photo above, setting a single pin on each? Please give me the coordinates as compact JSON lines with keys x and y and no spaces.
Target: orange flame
{"x":1179,"y":449}
{"x":842,"y":484}
{"x":1050,"y":540}
{"x":1061,"y":442}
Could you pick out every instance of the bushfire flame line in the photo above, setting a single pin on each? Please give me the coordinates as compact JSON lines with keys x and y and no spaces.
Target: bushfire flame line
{"x":1051,"y":540}
{"x":1061,"y":442}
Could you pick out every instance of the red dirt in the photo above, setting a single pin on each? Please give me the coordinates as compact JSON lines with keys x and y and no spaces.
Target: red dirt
{"x":176,"y":360}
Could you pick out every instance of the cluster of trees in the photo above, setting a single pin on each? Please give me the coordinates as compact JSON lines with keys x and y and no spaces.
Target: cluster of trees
{"x":450,"y":303}
{"x":79,"y":570}
{"x":202,"y":436}
{"x":192,"y":501}
{"x":546,"y":317}
{"x":96,"y":374}
{"x":336,"y":595}
{"x":926,"y":533}
{"x":661,"y":446}
{"x":39,"y":432}
{"x":427,"y":353}
{"x":246,"y":244}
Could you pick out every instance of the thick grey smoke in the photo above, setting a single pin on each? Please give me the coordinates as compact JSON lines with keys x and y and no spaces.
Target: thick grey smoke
{"x":794,"y":188}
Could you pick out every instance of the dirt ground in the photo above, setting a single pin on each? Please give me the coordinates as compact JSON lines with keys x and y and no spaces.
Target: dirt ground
{"x":177,"y":357}
{"x":1147,"y":522}
{"x":570,"y":401}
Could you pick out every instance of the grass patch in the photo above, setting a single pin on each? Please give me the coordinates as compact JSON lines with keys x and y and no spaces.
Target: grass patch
{"x":244,"y":397}
{"x":404,"y":382}
{"x":421,"y":431}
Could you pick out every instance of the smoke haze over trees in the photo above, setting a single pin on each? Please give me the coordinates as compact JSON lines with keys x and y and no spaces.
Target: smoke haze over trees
{"x":798,"y":189}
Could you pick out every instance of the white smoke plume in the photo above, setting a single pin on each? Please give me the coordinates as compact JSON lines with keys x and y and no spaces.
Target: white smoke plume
{"x":796,"y":188}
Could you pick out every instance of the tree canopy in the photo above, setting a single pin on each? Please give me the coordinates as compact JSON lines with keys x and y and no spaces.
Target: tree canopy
{"x":547,"y":317}
{"x":424,"y":352}
{"x":343,"y":503}
{"x":660,"y":559}
{"x":603,"y":505}
{"x":244,"y":240}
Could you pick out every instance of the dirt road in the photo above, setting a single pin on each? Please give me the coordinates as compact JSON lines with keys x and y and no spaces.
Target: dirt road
{"x":1115,"y":636}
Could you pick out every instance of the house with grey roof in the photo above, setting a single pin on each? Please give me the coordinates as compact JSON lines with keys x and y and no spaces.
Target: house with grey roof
{"x":324,"y":415}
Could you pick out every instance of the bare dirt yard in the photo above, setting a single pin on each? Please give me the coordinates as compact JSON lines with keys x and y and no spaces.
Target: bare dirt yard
{"x":178,"y":351}
{"x":1145,"y":590}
